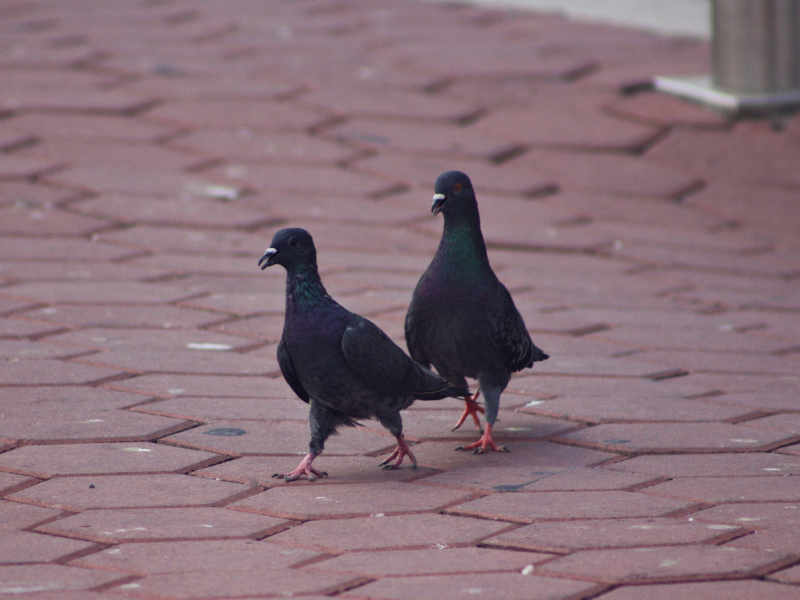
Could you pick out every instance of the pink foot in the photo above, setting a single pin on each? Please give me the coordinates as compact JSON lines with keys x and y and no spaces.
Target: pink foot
{"x":399,"y":453}
{"x":471,"y":409}
{"x":484,"y":443}
{"x":303,"y":470}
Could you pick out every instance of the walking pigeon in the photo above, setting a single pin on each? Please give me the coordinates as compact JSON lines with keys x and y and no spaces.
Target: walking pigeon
{"x":340,"y":363}
{"x":462,"y":318}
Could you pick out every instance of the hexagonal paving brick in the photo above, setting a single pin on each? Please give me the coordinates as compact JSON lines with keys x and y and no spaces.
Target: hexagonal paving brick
{"x":186,"y":556}
{"x":167,"y":385}
{"x":228,"y":408}
{"x":77,"y":413}
{"x":442,"y":587}
{"x":512,"y":479}
{"x":526,"y":507}
{"x":510,"y":427}
{"x":85,"y":459}
{"x":567,"y":536}
{"x":158,"y":316}
{"x":47,"y":220}
{"x":10,"y":480}
{"x":429,"y":561}
{"x":15,"y":515}
{"x":730,"y":590}
{"x":730,"y":489}
{"x":275,"y":437}
{"x":24,"y":547}
{"x":754,"y":514}
{"x":348,"y":500}
{"x":526,"y":456}
{"x":635,"y":408}
{"x":236,"y":113}
{"x":788,"y":575}
{"x":195,"y":208}
{"x":25,"y":579}
{"x":719,"y":465}
{"x":259,"y":470}
{"x":45,"y":249}
{"x":121,"y":491}
{"x":664,"y":563}
{"x":235,"y":583}
{"x":112,"y":526}
{"x":250,"y":145}
{"x":675,"y":437}
{"x":373,"y":532}
{"x":47,"y":372}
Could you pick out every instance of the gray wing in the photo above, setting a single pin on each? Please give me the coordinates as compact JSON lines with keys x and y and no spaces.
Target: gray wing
{"x":509,"y":333}
{"x":374,"y":358}
{"x":412,"y":329}
{"x":289,"y":374}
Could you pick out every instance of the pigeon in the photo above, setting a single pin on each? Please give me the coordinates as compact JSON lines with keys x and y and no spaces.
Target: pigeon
{"x":462,"y":319}
{"x":340,"y":363}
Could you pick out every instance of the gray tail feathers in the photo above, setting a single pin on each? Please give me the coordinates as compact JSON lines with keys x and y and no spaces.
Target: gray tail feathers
{"x":537,"y":354}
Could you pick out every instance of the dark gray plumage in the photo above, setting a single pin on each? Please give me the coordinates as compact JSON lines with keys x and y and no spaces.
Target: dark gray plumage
{"x":462,"y":319}
{"x":340,"y":363}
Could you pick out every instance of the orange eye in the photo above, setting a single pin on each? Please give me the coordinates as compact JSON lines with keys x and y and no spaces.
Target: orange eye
{"x":457,"y":187}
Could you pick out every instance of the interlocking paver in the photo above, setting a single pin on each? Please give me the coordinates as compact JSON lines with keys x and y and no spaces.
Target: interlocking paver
{"x":25,"y":547}
{"x":666,"y":563}
{"x":710,"y":465}
{"x":181,"y":557}
{"x":259,"y":470}
{"x":735,"y":590}
{"x":526,"y":507}
{"x":76,"y":459}
{"x":235,"y":438}
{"x":234,"y":583}
{"x":26,"y":579}
{"x":564,"y":537}
{"x":71,"y":413}
{"x":148,"y":524}
{"x":722,"y":489}
{"x":148,"y":152}
{"x":380,"y":531}
{"x":429,"y":561}
{"x":675,"y":437}
{"x":348,"y":500}
{"x":441,"y":587}
{"x":18,"y":516}
{"x":129,"y":491}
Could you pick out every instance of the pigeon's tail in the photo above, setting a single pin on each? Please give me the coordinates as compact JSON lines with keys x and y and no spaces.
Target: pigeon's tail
{"x":432,"y":387}
{"x":446,"y":391}
{"x":537,"y":354}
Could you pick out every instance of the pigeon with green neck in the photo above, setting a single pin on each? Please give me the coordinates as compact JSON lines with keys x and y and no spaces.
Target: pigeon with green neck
{"x":462,"y":319}
{"x":340,"y":363}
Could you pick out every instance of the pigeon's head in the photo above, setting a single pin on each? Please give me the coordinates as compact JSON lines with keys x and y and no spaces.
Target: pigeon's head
{"x":290,"y":247}
{"x":453,"y":194}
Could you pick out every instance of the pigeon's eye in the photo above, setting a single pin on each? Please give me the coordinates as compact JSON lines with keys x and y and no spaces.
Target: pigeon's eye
{"x":293,"y":242}
{"x":457,"y":187}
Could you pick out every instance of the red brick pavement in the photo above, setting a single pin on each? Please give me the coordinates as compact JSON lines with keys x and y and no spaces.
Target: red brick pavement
{"x":148,"y":151}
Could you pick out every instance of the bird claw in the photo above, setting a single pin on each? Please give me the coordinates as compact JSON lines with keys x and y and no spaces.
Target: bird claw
{"x":303,"y":471}
{"x":484,"y":444}
{"x":471,"y":409}
{"x":402,"y":450}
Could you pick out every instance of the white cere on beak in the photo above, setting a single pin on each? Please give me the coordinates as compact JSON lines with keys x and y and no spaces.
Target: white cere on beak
{"x":438,"y":197}
{"x":270,"y":252}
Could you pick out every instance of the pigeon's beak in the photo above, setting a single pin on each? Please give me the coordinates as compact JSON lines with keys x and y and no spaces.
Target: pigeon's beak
{"x":266,"y":260}
{"x":438,"y":203}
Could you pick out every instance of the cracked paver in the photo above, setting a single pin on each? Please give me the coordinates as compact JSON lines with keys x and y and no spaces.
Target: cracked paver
{"x":148,"y":152}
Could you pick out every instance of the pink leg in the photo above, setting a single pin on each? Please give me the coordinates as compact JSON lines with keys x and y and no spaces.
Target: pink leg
{"x":471,"y":409}
{"x":399,"y":453}
{"x":303,"y":470}
{"x":484,"y":443}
